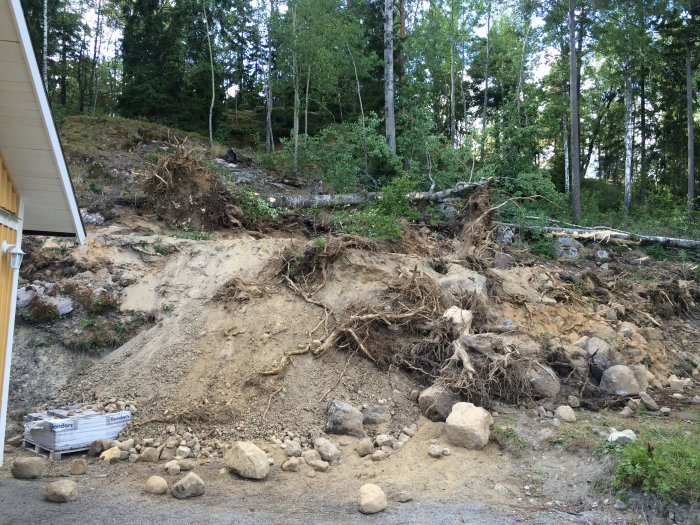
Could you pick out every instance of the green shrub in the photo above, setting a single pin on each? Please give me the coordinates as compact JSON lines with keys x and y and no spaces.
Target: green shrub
{"x":667,"y":467}
{"x":368,"y":222}
{"x":192,"y":235}
{"x":256,"y":208}
{"x":39,"y":311}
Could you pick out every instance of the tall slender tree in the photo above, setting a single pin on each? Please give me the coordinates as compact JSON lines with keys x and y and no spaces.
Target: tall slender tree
{"x":575,"y":119}
{"x":389,"y":118}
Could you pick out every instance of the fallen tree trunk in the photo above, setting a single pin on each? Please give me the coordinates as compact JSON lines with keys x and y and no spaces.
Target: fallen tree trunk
{"x":603,"y":234}
{"x":310,"y":201}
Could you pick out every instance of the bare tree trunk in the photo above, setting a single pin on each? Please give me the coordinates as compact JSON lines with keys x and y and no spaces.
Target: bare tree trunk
{"x":45,"y":46}
{"x":486,"y":83}
{"x":389,"y":117}
{"x":269,"y":138}
{"x":95,"y":48}
{"x":575,"y":139}
{"x":565,"y":134}
{"x":629,"y":136}
{"x":306,"y":106}
{"x":453,"y":110}
{"x":213,"y":85}
{"x":643,"y":133}
{"x":691,"y":128}
{"x":362,"y":111}
{"x":522,"y":64}
{"x":295,"y":73}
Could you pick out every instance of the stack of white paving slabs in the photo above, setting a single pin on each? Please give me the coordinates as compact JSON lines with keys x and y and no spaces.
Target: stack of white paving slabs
{"x":56,"y":430}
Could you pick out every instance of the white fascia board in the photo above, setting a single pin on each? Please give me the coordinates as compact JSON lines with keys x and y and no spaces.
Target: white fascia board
{"x":47,"y":117}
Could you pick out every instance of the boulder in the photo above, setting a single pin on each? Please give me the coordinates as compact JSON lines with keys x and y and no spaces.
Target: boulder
{"x":677,"y":384}
{"x":459,"y":282}
{"x":186,"y":464}
{"x":503,"y":261}
{"x":28,"y":468}
{"x":436,"y":402}
{"x":149,"y":455}
{"x":188,"y":487}
{"x":78,"y":467}
{"x":126,"y":445}
{"x":112,"y":454}
{"x":434,"y":451}
{"x":544,"y":380}
{"x":467,"y":426}
{"x":376,"y":414}
{"x":365,"y":447}
{"x":622,"y":437}
{"x":384,"y":440}
{"x":319,"y":465}
{"x":642,"y":375}
{"x":371,"y":499}
{"x":648,"y":402}
{"x":183,"y":452}
{"x":461,"y":319}
{"x":292,"y":465}
{"x":566,"y":247}
{"x":566,"y":413}
{"x":155,"y":485}
{"x":603,"y":355}
{"x":95,"y":449}
{"x":343,"y":418}
{"x":61,"y":491}
{"x":172,"y":467}
{"x":619,"y":380}
{"x":310,"y":455}
{"x":292,"y":449}
{"x":247,"y":460}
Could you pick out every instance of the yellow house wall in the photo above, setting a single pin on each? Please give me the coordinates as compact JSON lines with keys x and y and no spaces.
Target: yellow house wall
{"x":6,"y":282}
{"x":9,"y":198}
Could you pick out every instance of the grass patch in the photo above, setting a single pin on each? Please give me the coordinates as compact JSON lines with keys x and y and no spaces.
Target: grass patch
{"x":193,"y":235}
{"x":666,"y":464}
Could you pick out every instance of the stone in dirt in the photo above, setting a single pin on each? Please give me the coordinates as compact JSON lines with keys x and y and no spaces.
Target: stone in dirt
{"x":665,"y":411}
{"x":188,"y":487}
{"x":371,"y":499}
{"x":566,"y":247}
{"x":642,"y":375}
{"x":648,"y":401}
{"x":365,"y":447}
{"x":434,"y":451}
{"x":172,"y":467}
{"x":436,"y":402}
{"x":573,"y":401}
{"x":112,"y":454}
{"x":379,"y":455}
{"x":61,"y":491}
{"x":247,"y":460}
{"x":677,"y":385}
{"x":28,"y":468}
{"x":187,"y":464}
{"x":126,"y":445}
{"x":155,"y":485}
{"x":503,"y":261}
{"x":384,"y":440}
{"x":461,"y":319}
{"x":604,"y":356}
{"x":376,"y":414}
{"x":78,"y":467}
{"x":343,"y":418}
{"x":328,"y":451}
{"x":622,"y":437}
{"x":544,"y":380}
{"x":401,"y":496}
{"x":566,"y":413}
{"x":468,"y":426}
{"x":95,"y":448}
{"x":292,"y":465}
{"x":620,"y":381}
{"x":149,"y":455}
{"x":626,"y":412}
{"x":183,"y":452}
{"x":319,"y":465}
{"x":292,"y":449}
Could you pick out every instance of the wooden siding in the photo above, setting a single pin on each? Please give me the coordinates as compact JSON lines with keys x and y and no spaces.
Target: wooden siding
{"x":9,"y":198}
{"x":6,"y":283}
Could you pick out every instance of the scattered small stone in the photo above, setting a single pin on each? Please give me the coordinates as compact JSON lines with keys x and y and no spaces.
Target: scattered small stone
{"x":172,"y":467}
{"x":696,"y":400}
{"x":435,"y":451}
{"x":626,"y":412}
{"x":365,"y":447}
{"x":501,"y":489}
{"x":384,"y":440}
{"x":446,"y":451}
{"x":379,"y":455}
{"x":503,"y":261}
{"x":665,"y":411}
{"x":247,"y":460}
{"x":61,"y":491}
{"x":622,"y":437}
{"x":187,"y":464}
{"x":410,"y":430}
{"x":620,"y":505}
{"x":155,"y":485}
{"x":648,"y":401}
{"x":414,"y":395}
{"x":188,"y":487}
{"x":310,"y":455}
{"x":566,"y":413}
{"x":436,"y":402}
{"x":329,"y":452}
{"x":468,"y":426}
{"x":292,"y":448}
{"x":376,"y":414}
{"x":319,"y":465}
{"x":676,"y":384}
{"x":292,"y":465}
{"x":401,"y":496}
{"x":634,"y":404}
{"x":28,"y":468}
{"x":371,"y":499}
{"x":126,"y":445}
{"x":111,"y":455}
{"x":183,"y":452}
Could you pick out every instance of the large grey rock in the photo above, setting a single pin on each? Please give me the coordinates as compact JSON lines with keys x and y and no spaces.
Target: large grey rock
{"x":620,"y":381}
{"x":468,"y":426}
{"x":149,"y":455}
{"x":343,"y":418}
{"x":460,"y":281}
{"x":292,"y":448}
{"x":603,"y":355}
{"x":78,"y":467}
{"x":247,"y":460}
{"x":292,"y":465}
{"x":648,"y":401}
{"x":544,"y":380}
{"x":28,"y":468}
{"x":566,"y":247}
{"x":503,"y":261}
{"x":371,"y":499}
{"x":376,"y":414}
{"x":436,"y":402}
{"x":365,"y":447}
{"x":155,"y":485}
{"x":61,"y":491}
{"x":327,"y":450}
{"x":566,"y":413}
{"x":622,"y":437}
{"x":188,"y":487}
{"x":642,"y":375}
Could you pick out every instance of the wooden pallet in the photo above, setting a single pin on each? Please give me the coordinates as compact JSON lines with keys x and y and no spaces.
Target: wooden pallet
{"x":54,"y":455}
